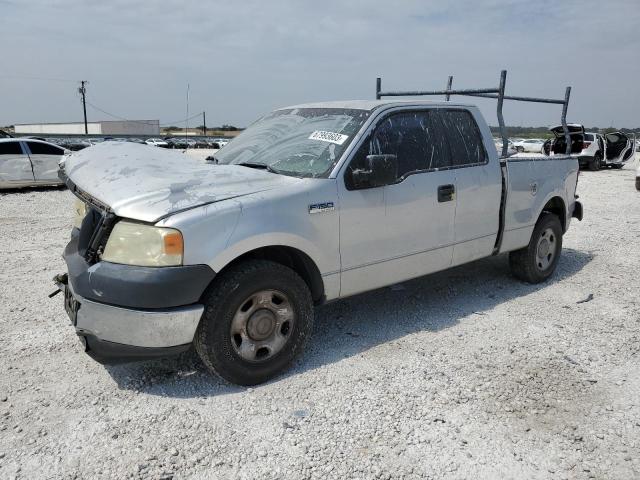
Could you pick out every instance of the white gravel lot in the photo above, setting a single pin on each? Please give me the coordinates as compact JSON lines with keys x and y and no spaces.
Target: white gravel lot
{"x":463,"y":374}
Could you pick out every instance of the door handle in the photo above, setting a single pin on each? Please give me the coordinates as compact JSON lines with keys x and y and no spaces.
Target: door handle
{"x":446,"y":193}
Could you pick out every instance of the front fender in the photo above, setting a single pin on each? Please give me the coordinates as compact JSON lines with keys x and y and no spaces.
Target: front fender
{"x":280,"y":239}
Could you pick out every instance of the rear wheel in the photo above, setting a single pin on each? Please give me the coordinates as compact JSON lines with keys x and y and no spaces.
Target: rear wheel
{"x":537,"y":261}
{"x":258,"y":316}
{"x":596,"y":162}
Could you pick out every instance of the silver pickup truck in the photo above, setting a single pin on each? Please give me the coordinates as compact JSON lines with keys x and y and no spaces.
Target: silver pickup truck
{"x":310,"y":204}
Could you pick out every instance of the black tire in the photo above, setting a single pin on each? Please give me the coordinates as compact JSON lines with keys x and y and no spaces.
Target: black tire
{"x":617,"y":166}
{"x":638,"y":183}
{"x":520,"y":149}
{"x":223,"y":300}
{"x":596,"y":162}
{"x":526,"y":264}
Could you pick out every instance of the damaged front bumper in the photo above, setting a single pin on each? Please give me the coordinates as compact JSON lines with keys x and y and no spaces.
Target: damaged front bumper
{"x":112,"y":334}
{"x":125,"y":313}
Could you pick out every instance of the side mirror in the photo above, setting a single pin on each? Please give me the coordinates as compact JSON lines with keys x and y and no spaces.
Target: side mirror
{"x":380,"y":170}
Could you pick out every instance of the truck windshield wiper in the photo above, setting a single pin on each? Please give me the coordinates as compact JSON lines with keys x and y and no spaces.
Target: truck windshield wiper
{"x":258,"y":165}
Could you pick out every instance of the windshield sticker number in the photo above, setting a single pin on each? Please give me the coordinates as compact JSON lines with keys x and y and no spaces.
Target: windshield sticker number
{"x":330,"y":137}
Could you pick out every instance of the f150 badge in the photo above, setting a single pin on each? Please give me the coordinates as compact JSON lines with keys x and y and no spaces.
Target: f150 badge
{"x":321,"y":207}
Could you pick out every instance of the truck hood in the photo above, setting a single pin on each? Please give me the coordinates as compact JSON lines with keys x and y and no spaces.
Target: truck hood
{"x":148,"y":183}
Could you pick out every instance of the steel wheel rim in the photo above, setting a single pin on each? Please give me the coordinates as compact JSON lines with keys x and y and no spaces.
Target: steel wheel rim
{"x":262,"y":325}
{"x":546,"y":249}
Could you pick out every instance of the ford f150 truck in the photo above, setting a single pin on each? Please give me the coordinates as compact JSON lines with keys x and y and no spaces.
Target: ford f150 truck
{"x":310,"y":204}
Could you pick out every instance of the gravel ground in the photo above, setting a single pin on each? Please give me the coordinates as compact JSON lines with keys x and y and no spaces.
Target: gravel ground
{"x":463,"y":374}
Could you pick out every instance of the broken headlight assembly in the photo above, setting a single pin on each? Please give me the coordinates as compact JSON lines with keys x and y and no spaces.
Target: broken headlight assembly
{"x":144,"y":245}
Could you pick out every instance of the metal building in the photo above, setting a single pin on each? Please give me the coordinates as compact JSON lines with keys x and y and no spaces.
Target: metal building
{"x":108,"y":127}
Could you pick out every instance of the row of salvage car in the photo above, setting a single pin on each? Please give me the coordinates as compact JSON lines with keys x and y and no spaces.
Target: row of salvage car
{"x":75,"y":144}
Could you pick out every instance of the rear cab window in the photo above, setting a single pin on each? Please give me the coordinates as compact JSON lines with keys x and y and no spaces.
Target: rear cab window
{"x":464,"y":138}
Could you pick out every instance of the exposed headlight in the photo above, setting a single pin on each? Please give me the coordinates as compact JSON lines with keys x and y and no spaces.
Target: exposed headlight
{"x":144,"y":245}
{"x":79,"y":211}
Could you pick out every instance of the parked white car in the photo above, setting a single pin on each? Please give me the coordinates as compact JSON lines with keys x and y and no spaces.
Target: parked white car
{"x":29,"y":162}
{"x":529,"y":145}
{"x":511,"y":149}
{"x":596,"y":150}
{"x":156,"y":142}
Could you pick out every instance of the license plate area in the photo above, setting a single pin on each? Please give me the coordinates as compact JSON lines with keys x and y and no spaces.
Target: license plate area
{"x":71,"y":306}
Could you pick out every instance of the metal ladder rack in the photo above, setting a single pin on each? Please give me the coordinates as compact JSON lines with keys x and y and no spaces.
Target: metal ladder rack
{"x":497,"y":93}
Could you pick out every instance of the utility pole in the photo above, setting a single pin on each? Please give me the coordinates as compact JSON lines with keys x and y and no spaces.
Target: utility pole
{"x":82,"y":91}
{"x":186,"y":122}
{"x":204,"y":124}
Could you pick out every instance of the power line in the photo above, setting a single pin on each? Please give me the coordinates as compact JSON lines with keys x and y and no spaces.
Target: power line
{"x":32,"y":77}
{"x":183,"y":120}
{"x":141,"y":121}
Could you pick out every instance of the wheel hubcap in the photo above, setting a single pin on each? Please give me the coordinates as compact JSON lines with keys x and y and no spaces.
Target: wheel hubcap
{"x":546,"y":249}
{"x":262,"y":325}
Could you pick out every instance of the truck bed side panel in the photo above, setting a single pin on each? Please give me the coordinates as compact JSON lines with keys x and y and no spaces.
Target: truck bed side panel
{"x":531,"y":183}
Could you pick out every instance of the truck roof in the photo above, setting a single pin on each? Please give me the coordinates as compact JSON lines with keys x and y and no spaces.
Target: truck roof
{"x":373,"y":104}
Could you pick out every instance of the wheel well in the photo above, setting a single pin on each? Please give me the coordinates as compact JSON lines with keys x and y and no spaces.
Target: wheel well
{"x":293,"y":258}
{"x":556,"y":206}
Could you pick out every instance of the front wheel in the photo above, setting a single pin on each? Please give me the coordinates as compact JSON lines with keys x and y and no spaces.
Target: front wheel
{"x":537,"y":261}
{"x":258,"y":316}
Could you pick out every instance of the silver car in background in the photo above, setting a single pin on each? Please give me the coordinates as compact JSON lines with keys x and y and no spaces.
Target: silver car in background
{"x":29,"y":162}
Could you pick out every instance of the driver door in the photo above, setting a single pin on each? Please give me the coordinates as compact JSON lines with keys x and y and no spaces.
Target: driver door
{"x":403,"y":230}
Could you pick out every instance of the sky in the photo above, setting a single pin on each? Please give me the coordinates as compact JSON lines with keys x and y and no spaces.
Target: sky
{"x":242,"y":59}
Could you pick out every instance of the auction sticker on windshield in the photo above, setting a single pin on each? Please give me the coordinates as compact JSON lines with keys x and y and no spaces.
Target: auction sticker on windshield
{"x":331,"y":137}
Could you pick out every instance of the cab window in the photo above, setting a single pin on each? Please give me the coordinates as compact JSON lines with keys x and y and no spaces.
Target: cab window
{"x":415,"y":138}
